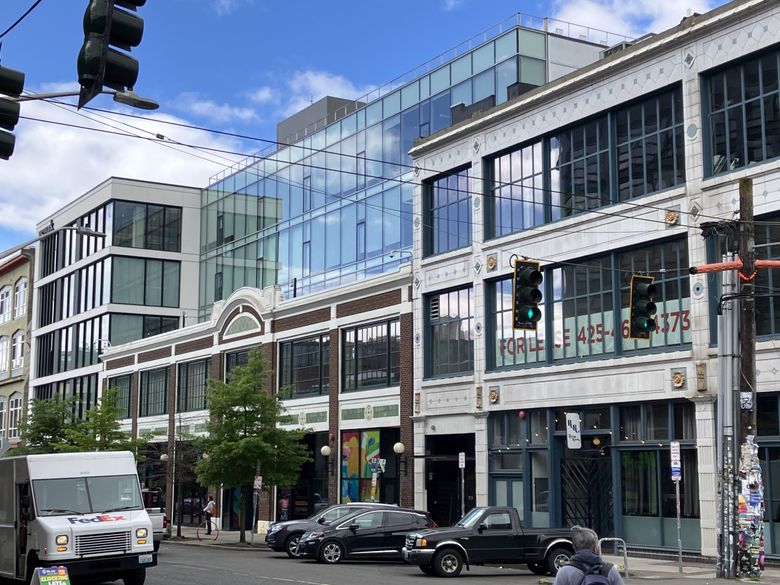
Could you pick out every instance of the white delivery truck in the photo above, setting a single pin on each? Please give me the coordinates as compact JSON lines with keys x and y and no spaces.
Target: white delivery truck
{"x":80,"y":510}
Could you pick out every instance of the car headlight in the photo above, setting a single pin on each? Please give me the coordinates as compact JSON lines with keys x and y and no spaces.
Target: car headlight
{"x":316,"y":535}
{"x":274,"y":528}
{"x":141,"y":533}
{"x":422,"y":542}
{"x":62,"y":539}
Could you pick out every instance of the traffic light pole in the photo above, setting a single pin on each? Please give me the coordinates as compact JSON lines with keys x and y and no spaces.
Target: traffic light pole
{"x":747,"y":252}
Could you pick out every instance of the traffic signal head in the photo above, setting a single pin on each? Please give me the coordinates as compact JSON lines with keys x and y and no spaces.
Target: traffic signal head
{"x":98,"y":64}
{"x":11,"y":84}
{"x":526,"y":295}
{"x":642,"y":308}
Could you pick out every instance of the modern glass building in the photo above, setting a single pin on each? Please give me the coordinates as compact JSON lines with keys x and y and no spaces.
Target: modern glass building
{"x":332,"y":201}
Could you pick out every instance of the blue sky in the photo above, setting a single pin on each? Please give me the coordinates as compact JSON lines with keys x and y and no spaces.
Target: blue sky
{"x":239,"y":66}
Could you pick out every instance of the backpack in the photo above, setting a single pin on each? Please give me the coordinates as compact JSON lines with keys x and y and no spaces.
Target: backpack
{"x":593,"y":574}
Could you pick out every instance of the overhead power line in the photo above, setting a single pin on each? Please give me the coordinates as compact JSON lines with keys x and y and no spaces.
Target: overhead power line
{"x":21,"y":18}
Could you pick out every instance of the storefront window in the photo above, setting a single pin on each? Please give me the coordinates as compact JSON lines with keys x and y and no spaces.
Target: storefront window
{"x":304,"y":366}
{"x":372,"y":356}
{"x":363,"y":454}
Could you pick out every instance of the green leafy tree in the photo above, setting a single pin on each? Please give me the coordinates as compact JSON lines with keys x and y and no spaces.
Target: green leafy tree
{"x":244,"y":436}
{"x":101,"y":431}
{"x":44,"y":429}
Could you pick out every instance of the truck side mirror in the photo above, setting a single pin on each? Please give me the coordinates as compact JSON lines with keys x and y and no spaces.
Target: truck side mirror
{"x":481,"y":527}
{"x":353,"y":528}
{"x":321,"y":520}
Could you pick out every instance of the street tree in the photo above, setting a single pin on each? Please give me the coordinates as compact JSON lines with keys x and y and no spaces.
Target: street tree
{"x":44,"y":429}
{"x":244,"y":438}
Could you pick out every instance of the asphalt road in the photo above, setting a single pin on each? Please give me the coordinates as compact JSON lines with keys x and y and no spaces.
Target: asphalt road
{"x":189,"y":565}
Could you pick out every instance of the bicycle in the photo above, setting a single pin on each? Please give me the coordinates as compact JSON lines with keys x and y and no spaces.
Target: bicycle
{"x":201,"y":533}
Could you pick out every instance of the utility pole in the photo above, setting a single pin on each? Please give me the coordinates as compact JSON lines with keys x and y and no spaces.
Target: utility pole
{"x":747,"y":253}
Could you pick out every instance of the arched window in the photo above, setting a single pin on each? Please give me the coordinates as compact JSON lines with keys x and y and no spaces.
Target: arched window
{"x":14,"y":414}
{"x":20,"y":297}
{"x":17,"y":350}
{"x":5,"y":304}
{"x":4,"y":347}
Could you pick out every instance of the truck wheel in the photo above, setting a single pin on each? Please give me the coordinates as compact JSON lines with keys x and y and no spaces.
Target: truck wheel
{"x":291,"y":546}
{"x":156,"y":545}
{"x":448,"y":563}
{"x":136,"y":577}
{"x":427,"y":569}
{"x":538,"y":568}
{"x":331,"y":552}
{"x":557,"y":558}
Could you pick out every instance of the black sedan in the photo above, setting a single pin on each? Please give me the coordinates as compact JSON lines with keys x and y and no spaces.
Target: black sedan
{"x":284,"y":536}
{"x":378,"y":533}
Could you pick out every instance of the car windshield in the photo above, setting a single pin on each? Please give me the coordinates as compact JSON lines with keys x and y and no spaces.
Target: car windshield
{"x":470,"y":519}
{"x":87,"y":495}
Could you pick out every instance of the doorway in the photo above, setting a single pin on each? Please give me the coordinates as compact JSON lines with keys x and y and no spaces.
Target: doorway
{"x":443,"y":478}
{"x":586,"y":489}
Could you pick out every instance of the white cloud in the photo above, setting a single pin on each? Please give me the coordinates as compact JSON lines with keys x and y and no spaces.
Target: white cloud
{"x":450,"y":5}
{"x":192,"y":103}
{"x":632,"y":18}
{"x":53,"y":164}
{"x":306,"y":87}
{"x":225,"y":7}
{"x":263,"y":95}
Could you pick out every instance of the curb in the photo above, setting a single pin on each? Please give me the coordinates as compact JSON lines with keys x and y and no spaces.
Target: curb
{"x":227,"y":546}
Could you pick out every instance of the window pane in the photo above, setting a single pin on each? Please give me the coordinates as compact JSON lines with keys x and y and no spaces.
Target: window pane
{"x":128,"y":280}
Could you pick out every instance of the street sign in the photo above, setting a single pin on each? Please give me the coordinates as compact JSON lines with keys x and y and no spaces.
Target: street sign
{"x":462,"y":460}
{"x":676,"y":461}
{"x":258,"y":482}
{"x":573,"y":436}
{"x":382,"y":465}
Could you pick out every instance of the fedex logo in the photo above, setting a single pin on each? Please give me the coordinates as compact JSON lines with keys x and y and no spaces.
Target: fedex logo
{"x":101,"y":518}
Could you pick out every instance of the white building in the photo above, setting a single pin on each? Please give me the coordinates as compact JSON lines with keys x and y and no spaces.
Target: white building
{"x":138,"y":280}
{"x":605,"y":172}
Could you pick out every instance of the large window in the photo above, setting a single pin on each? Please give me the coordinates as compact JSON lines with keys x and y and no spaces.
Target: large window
{"x":649,"y":141}
{"x":153,"y":397}
{"x":744,"y":113}
{"x":124,"y":391}
{"x":447,"y":206}
{"x":17,"y":350}
{"x":362,"y":479}
{"x":20,"y":299}
{"x":580,"y":311}
{"x":518,"y":191}
{"x":2,"y":416}
{"x":193,"y":382}
{"x":450,"y":333}
{"x":372,"y":356}
{"x":14,"y":415}
{"x":76,"y":346}
{"x":127,"y":328}
{"x":304,"y":366}
{"x":5,"y":304}
{"x":235,"y":359}
{"x":62,"y":248}
{"x":153,"y":227}
{"x":153,"y":283}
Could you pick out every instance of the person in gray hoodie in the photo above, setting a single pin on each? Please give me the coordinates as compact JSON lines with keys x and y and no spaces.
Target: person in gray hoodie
{"x":587,"y":553}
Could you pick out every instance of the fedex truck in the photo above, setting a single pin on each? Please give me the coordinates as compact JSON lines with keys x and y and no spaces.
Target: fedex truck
{"x":80,"y":510}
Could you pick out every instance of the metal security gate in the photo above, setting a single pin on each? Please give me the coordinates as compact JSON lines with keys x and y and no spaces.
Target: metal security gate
{"x":586,"y":491}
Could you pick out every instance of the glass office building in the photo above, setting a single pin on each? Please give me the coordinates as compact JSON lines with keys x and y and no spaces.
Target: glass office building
{"x":333,"y":202}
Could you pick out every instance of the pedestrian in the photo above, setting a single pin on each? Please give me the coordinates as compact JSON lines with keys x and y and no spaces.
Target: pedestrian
{"x":587,"y":562}
{"x":209,"y":511}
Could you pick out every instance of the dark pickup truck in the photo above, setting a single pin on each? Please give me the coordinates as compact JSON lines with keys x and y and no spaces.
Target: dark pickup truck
{"x":486,"y":536}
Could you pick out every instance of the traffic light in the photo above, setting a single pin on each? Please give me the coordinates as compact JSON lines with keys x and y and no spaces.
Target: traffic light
{"x":98,"y":64}
{"x":11,"y":84}
{"x":642,"y":312}
{"x":526,"y":295}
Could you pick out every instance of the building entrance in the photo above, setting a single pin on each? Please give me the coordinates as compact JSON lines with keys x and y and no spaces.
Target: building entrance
{"x":586,"y":489}
{"x":442,"y":476}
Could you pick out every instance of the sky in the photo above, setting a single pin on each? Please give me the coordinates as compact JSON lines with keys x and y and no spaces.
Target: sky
{"x":234,"y":67}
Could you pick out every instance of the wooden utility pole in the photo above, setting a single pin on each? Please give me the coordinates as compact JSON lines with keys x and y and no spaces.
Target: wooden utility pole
{"x":747,"y":253}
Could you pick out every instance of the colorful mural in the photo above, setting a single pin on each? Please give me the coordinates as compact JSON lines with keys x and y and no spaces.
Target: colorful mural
{"x":750,"y":544}
{"x":350,"y":466}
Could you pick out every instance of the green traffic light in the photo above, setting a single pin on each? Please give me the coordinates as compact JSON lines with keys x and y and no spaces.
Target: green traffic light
{"x":529,"y":314}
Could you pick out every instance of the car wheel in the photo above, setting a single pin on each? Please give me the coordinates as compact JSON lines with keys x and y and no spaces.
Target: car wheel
{"x":557,"y":558}
{"x":538,"y":568}
{"x":136,"y":577}
{"x":291,"y":546}
{"x":427,"y":569}
{"x":448,"y":563}
{"x":331,"y":552}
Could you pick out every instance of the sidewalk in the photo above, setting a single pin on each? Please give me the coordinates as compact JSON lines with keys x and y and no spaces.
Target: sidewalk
{"x":638,"y":568}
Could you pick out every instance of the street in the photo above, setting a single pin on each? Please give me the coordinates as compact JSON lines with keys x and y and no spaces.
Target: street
{"x":189,"y":565}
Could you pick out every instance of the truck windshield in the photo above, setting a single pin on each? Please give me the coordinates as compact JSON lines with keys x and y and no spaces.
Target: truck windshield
{"x":470,"y":519}
{"x":86,"y":495}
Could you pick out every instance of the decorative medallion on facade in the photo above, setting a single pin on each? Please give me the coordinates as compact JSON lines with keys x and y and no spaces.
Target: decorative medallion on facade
{"x":475,"y":145}
{"x":494,"y":394}
{"x":417,"y":338}
{"x":368,"y":412}
{"x":678,"y":380}
{"x":417,"y":281}
{"x":478,"y":328}
{"x":416,"y":170}
{"x":302,"y":419}
{"x":492,"y":263}
{"x":479,"y":397}
{"x":477,"y":266}
{"x":417,"y":223}
{"x":694,"y":209}
{"x":416,"y":403}
{"x":477,"y":202}
{"x":689,"y":60}
{"x":672,"y":216}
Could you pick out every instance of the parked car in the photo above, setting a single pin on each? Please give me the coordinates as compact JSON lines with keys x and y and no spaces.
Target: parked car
{"x":377,"y":533}
{"x":488,"y":535}
{"x":284,"y":536}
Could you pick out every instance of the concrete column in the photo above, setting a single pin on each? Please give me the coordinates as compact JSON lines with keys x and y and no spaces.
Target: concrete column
{"x":707,"y":475}
{"x":481,"y":458}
